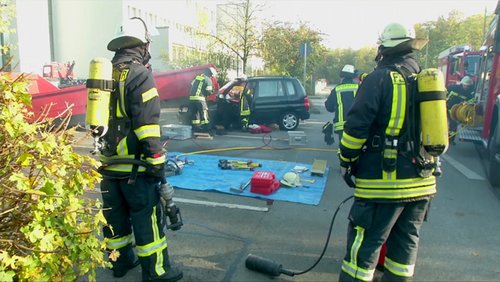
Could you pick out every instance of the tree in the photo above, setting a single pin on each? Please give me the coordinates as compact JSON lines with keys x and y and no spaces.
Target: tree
{"x":49,"y":228}
{"x":236,"y":25}
{"x":280,"y":49}
{"x":447,"y":32}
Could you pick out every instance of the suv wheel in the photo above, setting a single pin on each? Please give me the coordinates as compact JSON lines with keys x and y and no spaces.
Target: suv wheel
{"x":289,"y":121}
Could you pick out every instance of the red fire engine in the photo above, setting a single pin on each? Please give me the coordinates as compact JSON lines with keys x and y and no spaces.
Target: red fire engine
{"x":480,"y":121}
{"x":457,"y":62}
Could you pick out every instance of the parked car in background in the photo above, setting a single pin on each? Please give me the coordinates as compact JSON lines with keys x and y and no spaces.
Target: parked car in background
{"x":276,"y":99}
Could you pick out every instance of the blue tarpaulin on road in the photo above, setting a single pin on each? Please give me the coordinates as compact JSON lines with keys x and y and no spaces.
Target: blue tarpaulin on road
{"x":205,"y":175}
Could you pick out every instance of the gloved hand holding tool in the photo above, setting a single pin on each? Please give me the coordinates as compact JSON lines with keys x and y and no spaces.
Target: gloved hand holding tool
{"x":328,"y":132}
{"x":348,"y":169}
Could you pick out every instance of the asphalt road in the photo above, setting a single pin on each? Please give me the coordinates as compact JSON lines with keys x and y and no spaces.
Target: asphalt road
{"x":459,"y":242}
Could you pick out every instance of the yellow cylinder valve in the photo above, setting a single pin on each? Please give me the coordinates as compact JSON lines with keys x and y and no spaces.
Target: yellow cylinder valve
{"x":433,"y":112}
{"x":99,"y":88}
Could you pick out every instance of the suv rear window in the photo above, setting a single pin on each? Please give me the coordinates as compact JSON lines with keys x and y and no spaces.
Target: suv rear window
{"x":290,"y":88}
{"x":270,"y":88}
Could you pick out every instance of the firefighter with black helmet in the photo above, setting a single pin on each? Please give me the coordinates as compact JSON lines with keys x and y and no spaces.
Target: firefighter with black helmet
{"x":131,"y":201}
{"x":393,"y":186}
{"x":341,"y":98}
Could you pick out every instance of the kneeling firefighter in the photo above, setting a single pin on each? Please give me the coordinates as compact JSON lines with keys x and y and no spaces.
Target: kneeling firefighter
{"x":125,"y":122}
{"x":394,"y":167}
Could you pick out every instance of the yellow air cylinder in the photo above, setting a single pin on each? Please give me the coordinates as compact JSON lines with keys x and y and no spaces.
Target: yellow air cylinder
{"x":433,"y":114}
{"x":99,"y":88}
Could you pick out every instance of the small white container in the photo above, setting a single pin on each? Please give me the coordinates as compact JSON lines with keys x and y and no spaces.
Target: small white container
{"x":297,"y":138}
{"x":177,"y":131}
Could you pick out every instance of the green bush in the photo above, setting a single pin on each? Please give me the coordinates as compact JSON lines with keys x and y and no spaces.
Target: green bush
{"x":50,"y":226}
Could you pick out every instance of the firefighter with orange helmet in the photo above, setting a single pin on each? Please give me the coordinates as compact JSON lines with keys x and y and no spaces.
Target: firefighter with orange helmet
{"x":379,"y":147}
{"x":133,"y":161}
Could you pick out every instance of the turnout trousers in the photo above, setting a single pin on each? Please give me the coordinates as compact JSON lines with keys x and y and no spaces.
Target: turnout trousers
{"x":370,"y":225}
{"x":135,"y":207}
{"x":199,"y":114}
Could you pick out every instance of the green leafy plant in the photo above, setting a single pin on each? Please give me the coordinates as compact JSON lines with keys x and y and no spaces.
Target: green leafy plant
{"x":50,"y":223}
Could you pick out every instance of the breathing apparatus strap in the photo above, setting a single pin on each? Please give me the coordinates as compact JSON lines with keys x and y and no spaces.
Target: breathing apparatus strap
{"x":396,"y":121}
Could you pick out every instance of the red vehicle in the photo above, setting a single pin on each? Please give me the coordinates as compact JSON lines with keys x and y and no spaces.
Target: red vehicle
{"x":170,"y":84}
{"x":457,"y":62}
{"x":483,"y":125}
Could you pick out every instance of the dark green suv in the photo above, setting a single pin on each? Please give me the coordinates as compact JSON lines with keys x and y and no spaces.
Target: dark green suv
{"x":276,"y":99}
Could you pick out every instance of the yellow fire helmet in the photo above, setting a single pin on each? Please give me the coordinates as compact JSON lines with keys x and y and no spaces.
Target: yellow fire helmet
{"x":291,"y":179}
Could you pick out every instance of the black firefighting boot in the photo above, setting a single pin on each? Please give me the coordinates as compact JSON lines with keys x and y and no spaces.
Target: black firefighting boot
{"x":172,"y":272}
{"x":125,"y":262}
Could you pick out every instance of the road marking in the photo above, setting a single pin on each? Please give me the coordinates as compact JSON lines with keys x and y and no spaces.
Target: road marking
{"x":463,"y":169}
{"x":224,"y":205}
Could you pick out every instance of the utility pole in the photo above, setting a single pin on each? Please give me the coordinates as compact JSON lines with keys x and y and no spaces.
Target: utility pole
{"x":305,"y":62}
{"x":305,"y":49}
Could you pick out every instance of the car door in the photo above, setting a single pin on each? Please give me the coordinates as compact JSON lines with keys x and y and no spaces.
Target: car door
{"x":269,"y":99}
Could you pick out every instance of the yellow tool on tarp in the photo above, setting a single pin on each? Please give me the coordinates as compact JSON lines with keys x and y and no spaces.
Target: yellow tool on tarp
{"x":238,"y":164}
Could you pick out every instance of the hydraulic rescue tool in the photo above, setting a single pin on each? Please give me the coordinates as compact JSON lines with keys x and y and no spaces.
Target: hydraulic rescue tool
{"x":169,"y":208}
{"x":237,"y":164}
{"x":273,"y":268}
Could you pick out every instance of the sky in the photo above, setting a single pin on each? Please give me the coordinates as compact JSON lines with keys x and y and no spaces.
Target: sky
{"x":357,"y":23}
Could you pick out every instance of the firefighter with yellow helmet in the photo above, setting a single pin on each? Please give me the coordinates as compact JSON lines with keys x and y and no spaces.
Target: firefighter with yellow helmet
{"x":130,"y":199}
{"x":381,"y":148}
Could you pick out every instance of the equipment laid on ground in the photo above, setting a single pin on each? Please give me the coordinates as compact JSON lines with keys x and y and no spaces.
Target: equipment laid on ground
{"x":170,"y":210}
{"x":291,"y":179}
{"x":241,"y":189}
{"x":174,"y":167}
{"x":264,"y":182}
{"x":318,"y":167}
{"x":273,"y":268}
{"x":99,"y":88}
{"x":237,"y":164}
{"x":297,"y":138}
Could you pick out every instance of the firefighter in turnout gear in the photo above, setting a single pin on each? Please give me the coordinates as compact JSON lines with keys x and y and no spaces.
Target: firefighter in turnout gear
{"x":133,"y":161}
{"x":341,"y":98}
{"x":201,"y":88}
{"x":458,"y":93}
{"x":379,"y":147}
{"x":245,"y":103}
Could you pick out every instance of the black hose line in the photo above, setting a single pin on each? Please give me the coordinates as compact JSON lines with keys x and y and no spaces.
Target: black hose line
{"x":273,"y":268}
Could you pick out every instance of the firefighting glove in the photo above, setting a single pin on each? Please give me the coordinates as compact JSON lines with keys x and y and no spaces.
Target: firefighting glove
{"x":348,"y":169}
{"x":328,"y":132}
{"x":157,"y":171}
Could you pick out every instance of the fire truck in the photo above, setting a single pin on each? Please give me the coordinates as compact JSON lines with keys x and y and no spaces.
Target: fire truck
{"x":480,"y":120}
{"x":457,"y":62}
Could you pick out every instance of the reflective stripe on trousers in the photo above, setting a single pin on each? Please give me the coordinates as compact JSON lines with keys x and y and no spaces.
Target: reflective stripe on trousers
{"x":370,"y":225}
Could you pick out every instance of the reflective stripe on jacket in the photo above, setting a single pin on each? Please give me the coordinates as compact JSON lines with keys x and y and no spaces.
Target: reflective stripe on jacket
{"x":340,"y":101}
{"x":139,"y":103}
{"x":380,"y":107}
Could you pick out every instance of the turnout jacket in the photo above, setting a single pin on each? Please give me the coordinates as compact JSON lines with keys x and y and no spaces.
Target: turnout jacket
{"x":381,"y":103}
{"x":339,"y":102}
{"x":457,"y":94}
{"x":135,"y":113}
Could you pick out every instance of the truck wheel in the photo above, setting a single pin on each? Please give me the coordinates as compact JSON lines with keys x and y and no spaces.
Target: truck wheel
{"x":494,"y":160}
{"x":289,"y":121}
